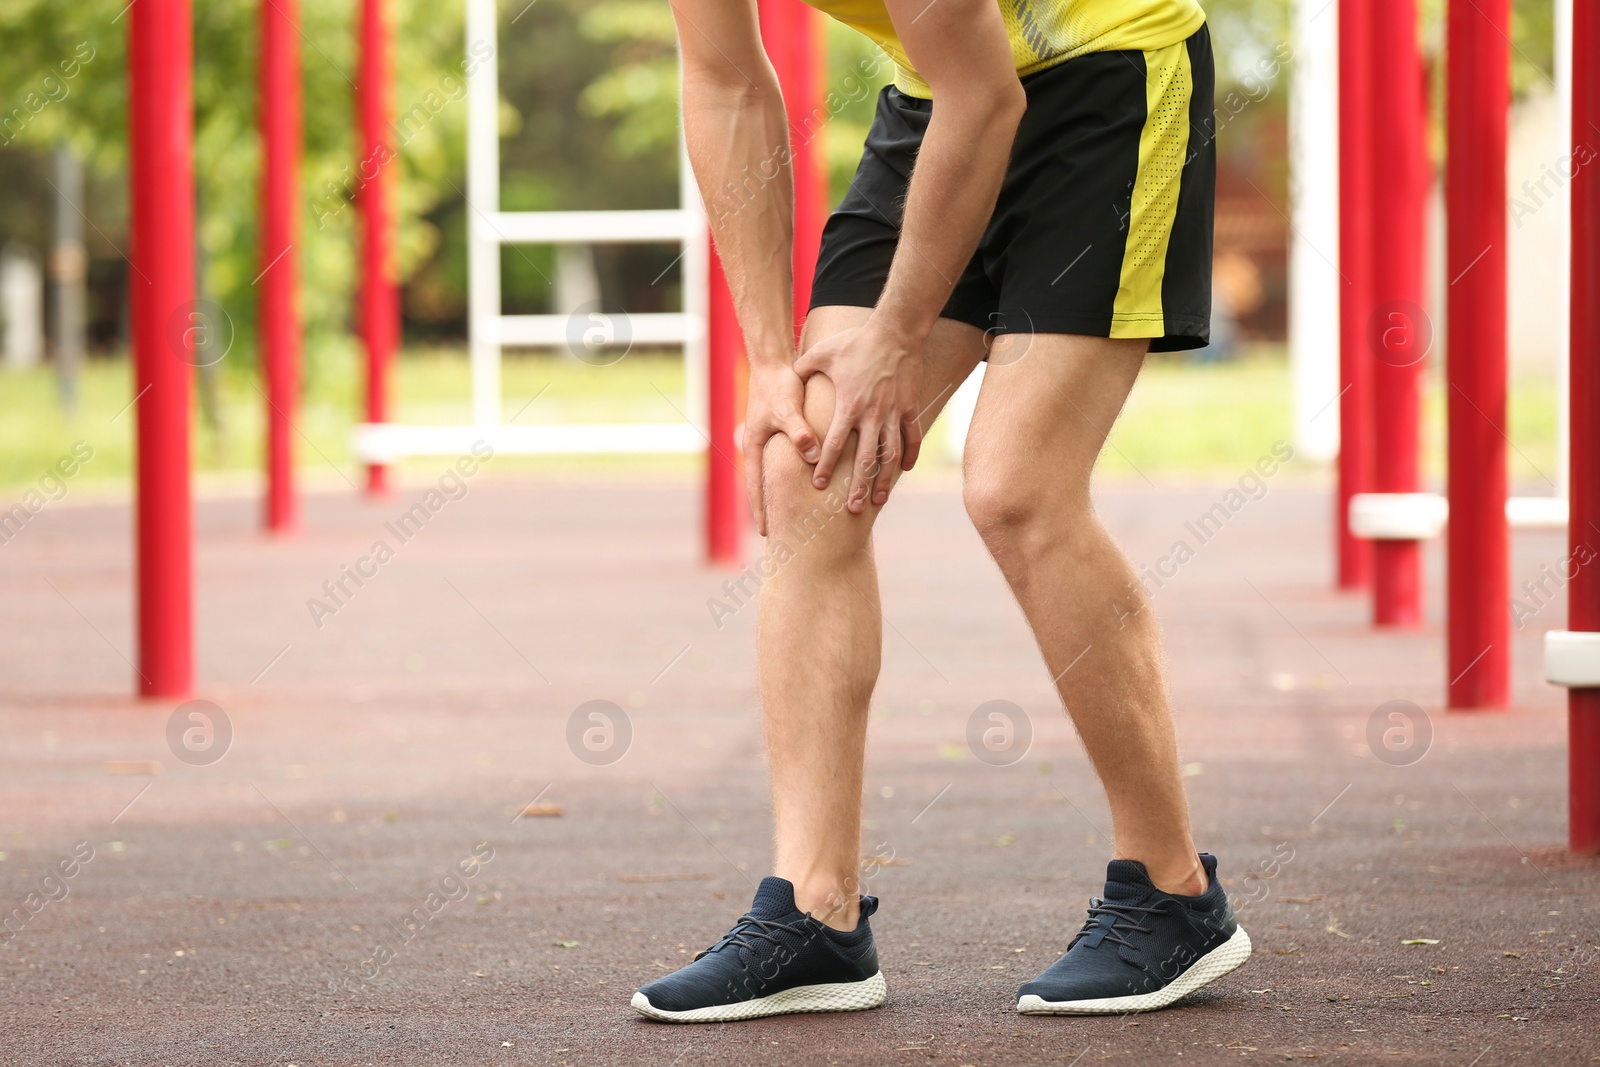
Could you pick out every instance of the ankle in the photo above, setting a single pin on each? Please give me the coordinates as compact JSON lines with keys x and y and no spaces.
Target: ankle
{"x":1180,"y":879}
{"x":831,"y":903}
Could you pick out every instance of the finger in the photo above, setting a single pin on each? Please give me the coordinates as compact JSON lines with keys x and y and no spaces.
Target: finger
{"x":754,"y":481}
{"x":798,"y":430}
{"x":865,"y":467}
{"x":887,"y":461}
{"x":911,"y":431}
{"x":756,"y":486}
{"x":809,"y":362}
{"x":832,"y":450}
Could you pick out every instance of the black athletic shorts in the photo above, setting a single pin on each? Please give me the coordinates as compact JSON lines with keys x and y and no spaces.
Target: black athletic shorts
{"x":1103,"y":225}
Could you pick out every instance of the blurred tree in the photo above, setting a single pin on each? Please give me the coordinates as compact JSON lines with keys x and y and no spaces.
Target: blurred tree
{"x":589,"y":122}
{"x":87,"y":110}
{"x":639,"y":90}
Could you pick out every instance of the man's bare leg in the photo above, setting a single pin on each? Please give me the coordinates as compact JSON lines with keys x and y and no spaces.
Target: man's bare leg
{"x":820,"y":637}
{"x":1047,"y":403}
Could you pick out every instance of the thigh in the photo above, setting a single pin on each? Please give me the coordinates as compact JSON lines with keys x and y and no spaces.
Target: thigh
{"x":954,"y":349}
{"x":1104,"y":223}
{"x":1047,"y":403}
{"x":862,"y":235}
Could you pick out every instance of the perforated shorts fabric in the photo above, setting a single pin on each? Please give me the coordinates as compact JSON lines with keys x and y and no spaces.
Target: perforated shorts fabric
{"x":1104,"y":221}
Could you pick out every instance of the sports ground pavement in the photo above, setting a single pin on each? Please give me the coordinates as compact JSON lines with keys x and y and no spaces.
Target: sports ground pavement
{"x":408,"y":853}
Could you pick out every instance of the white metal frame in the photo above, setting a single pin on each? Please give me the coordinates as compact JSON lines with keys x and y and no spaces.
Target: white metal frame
{"x":489,"y":330}
{"x":1314,"y":242}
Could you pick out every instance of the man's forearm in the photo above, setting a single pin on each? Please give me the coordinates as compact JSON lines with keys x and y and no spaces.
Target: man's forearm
{"x":950,"y":200}
{"x":738,"y":138}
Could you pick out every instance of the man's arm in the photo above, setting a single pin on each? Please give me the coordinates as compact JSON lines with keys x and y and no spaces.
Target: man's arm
{"x":961,"y":50}
{"x":738,"y":139}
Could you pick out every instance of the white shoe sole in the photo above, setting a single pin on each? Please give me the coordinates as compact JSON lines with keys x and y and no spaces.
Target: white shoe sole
{"x":1228,"y":956}
{"x":835,"y":996}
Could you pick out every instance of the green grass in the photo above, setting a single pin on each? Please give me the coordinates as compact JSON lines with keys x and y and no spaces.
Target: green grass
{"x":430,"y":386}
{"x":1193,"y":419}
{"x":1183,"y":420}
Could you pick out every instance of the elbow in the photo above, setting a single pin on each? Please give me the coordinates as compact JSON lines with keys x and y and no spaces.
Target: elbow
{"x":1009,"y":102}
{"x":997,"y":104}
{"x":1005,"y":111}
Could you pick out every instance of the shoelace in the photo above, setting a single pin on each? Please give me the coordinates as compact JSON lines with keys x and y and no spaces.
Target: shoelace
{"x":749,"y":929}
{"x":1118,"y":912}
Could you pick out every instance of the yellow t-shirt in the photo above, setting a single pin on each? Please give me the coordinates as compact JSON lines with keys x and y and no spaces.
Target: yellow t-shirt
{"x":1043,"y":32}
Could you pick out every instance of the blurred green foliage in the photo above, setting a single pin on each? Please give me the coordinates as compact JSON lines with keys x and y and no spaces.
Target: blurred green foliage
{"x":92,"y":118}
{"x":640,"y":91}
{"x":589,"y":122}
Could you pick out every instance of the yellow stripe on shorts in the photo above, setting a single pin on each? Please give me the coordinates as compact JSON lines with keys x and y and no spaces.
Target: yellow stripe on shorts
{"x":1163,"y":144}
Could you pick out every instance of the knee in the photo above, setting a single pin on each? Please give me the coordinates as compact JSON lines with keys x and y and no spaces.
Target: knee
{"x":1020,"y":515}
{"x":1000,"y":510}
{"x":798,"y":513}
{"x":787,"y":486}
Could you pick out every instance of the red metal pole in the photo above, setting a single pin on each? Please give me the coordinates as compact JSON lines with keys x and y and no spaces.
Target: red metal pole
{"x":1478,"y":53}
{"x":1355,"y":297}
{"x":792,"y":34}
{"x":725,"y":495}
{"x":1583,"y":591}
{"x":1397,"y":125}
{"x":160,"y":135}
{"x":380,"y":304}
{"x":280,"y":328}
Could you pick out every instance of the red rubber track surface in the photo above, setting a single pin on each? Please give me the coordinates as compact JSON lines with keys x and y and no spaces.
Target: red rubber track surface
{"x":228,"y":907}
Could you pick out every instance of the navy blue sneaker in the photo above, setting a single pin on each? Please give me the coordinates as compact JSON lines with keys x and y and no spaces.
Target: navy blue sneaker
{"x":1141,"y":949}
{"x":775,"y":961}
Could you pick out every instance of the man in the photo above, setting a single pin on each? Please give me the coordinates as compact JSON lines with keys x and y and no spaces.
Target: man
{"x":1056,"y":222}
